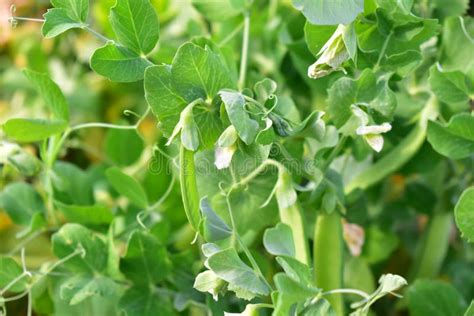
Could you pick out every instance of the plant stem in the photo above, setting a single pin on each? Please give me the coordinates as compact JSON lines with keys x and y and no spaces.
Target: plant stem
{"x":434,"y":247}
{"x":328,"y":248}
{"x":384,"y":48}
{"x":245,"y":51}
{"x":348,"y":291}
{"x":189,"y":190}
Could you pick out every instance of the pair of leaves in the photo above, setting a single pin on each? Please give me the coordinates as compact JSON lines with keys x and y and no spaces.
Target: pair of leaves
{"x":454,"y":140}
{"x":32,"y":130}
{"x":136,"y":26}
{"x":197,"y":72}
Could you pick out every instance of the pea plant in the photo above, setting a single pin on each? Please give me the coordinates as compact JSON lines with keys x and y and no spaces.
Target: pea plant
{"x":300,"y":151}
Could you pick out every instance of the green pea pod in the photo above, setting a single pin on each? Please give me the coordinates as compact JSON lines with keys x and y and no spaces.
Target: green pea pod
{"x":189,"y":189}
{"x":291,"y":216}
{"x":400,"y":155}
{"x":328,"y":248}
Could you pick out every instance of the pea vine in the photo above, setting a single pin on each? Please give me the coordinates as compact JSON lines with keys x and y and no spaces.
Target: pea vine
{"x":287,"y":126}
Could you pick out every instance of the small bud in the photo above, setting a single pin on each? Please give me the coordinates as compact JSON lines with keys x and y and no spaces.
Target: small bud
{"x":285,"y":193}
{"x":333,"y":54}
{"x":188,"y":128}
{"x":226,"y":147}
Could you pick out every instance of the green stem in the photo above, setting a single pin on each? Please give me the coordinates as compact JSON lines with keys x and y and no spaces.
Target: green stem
{"x":434,"y":247}
{"x":328,"y":248}
{"x":245,"y":51}
{"x":189,"y":190}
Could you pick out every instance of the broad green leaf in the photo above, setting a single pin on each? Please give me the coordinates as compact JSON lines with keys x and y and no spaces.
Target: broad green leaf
{"x":279,"y":240}
{"x":119,"y":64}
{"x":123,"y":147}
{"x":229,"y":267}
{"x":366,"y":90}
{"x":91,"y":251}
{"x":454,"y":140}
{"x":199,"y":72}
{"x":321,"y":308}
{"x":71,"y":184}
{"x":78,"y":10}
{"x":295,"y":269}
{"x":290,"y":292}
{"x":164,"y":101}
{"x":86,"y":214}
{"x":317,"y":35}
{"x":213,"y":226}
{"x":21,"y":202}
{"x":9,"y":271}
{"x":128,"y":187}
{"x":435,"y":298}
{"x":246,"y":127}
{"x":51,"y":94}
{"x":456,"y":46}
{"x":146,"y":260}
{"x":452,"y":86}
{"x":136,"y":25}
{"x":220,"y":11}
{"x":57,"y":21}
{"x":76,"y":289}
{"x":329,"y":12}
{"x":142,"y":301}
{"x":464,"y":213}
{"x":32,"y":130}
{"x":196,"y":73}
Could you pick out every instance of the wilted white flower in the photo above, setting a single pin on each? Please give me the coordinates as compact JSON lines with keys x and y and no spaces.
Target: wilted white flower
{"x":354,"y":235}
{"x":226,"y":147}
{"x":332,"y":55}
{"x":372,"y":135}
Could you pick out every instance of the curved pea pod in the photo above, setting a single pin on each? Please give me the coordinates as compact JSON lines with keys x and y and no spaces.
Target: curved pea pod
{"x":189,"y":190}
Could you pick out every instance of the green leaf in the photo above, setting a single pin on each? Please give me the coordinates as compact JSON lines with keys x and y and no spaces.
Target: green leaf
{"x":146,"y":260}
{"x":76,"y":289}
{"x":57,"y":21}
{"x":324,"y":12}
{"x":464,"y":213}
{"x":279,"y":240}
{"x":21,"y":202}
{"x":454,"y":140}
{"x":91,"y":251}
{"x":71,"y":184}
{"x":290,"y":292}
{"x":86,"y":215}
{"x":136,"y":25}
{"x":32,"y":130}
{"x":199,"y":72}
{"x":196,"y":73}
{"x":366,"y":90}
{"x":164,"y":101}
{"x":119,"y":64}
{"x":51,"y":94}
{"x":142,"y":301}
{"x":21,"y":160}
{"x":321,"y":308}
{"x":128,"y":187}
{"x":452,"y":86}
{"x":246,"y":127}
{"x":213,"y":226}
{"x":317,"y":35}
{"x":123,"y":147}
{"x":219,"y":11}
{"x":295,"y":269}
{"x":436,"y":298}
{"x":208,"y":281}
{"x":78,"y":10}
{"x":229,"y":267}
{"x":9,"y":271}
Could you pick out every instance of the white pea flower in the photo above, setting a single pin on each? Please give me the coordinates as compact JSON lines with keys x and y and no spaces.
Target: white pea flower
{"x":226,"y":147}
{"x":332,"y":55}
{"x":371,"y":134}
